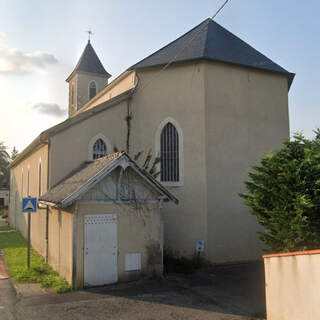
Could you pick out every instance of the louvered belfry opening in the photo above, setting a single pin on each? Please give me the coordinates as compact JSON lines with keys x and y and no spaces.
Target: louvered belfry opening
{"x":99,"y":149}
{"x":169,"y":153}
{"x":92,"y":90}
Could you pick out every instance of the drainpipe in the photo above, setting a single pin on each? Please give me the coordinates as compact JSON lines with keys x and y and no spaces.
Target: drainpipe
{"x":129,"y":113}
{"x":47,"y":209}
{"x":161,"y":230}
{"x":47,"y":234}
{"x":75,"y":284}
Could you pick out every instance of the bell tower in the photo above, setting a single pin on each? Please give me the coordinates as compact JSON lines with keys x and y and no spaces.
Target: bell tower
{"x":86,"y":80}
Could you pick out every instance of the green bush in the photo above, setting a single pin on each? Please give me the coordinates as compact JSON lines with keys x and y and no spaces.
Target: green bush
{"x":283,"y":192}
{"x":56,"y":282}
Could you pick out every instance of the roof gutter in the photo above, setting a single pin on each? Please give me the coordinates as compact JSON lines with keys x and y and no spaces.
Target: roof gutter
{"x":88,"y":113}
{"x":47,"y":203}
{"x":98,"y":176}
{"x":41,"y":140}
{"x":290,"y":76}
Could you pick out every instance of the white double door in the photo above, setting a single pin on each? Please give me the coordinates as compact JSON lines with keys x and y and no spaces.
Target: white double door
{"x":100,"y":249}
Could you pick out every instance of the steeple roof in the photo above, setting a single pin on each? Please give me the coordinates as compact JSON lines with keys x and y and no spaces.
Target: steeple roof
{"x":211,"y":41}
{"x":90,"y":62}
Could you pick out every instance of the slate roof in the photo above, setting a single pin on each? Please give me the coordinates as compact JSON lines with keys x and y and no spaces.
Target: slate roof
{"x":77,"y":178}
{"x":90,"y":62}
{"x":89,"y":174}
{"x":213,"y":42}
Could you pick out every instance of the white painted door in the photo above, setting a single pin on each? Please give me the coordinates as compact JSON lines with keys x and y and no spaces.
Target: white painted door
{"x":100,"y":249}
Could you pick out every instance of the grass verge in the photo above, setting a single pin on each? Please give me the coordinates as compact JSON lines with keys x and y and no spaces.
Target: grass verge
{"x":14,"y":247}
{"x":5,"y":228}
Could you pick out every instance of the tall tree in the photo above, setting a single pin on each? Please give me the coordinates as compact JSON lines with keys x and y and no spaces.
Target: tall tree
{"x":14,"y":153}
{"x":4,"y":163}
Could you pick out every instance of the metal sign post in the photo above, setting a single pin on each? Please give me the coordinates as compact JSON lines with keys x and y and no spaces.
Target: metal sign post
{"x":29,"y":229}
{"x":29,"y":205}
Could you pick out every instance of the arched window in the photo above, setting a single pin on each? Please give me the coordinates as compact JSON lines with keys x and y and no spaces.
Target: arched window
{"x":92,"y":89}
{"x":99,"y":149}
{"x":105,"y":147}
{"x":22,"y":184}
{"x":169,"y":153}
{"x":72,"y":94}
{"x":40,"y":179}
{"x":28,"y":183}
{"x":16,"y":208}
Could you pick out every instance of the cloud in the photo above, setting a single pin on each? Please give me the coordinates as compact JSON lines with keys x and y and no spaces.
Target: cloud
{"x":15,"y":62}
{"x":51,"y":109}
{"x":3,"y":40}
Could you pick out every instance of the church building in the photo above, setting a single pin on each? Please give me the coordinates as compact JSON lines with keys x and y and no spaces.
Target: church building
{"x":207,"y":104}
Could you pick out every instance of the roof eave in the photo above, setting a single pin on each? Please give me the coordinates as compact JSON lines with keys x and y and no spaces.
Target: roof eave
{"x":103,"y":91}
{"x":70,"y":76}
{"x":42,"y":139}
{"x":106,"y":75}
{"x":288,"y":74}
{"x":48,"y":203}
{"x":157,"y":185}
{"x":75,"y":195}
{"x":86,"y":186}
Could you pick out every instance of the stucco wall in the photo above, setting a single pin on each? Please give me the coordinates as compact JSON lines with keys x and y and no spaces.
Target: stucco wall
{"x":118,"y":86}
{"x":246,"y":116}
{"x":73,"y":104}
{"x":178,"y":92}
{"x":60,"y":242}
{"x":84,"y":80}
{"x":137,"y":231}
{"x":80,"y":81}
{"x":18,"y":190}
{"x":229,"y":116}
{"x":70,"y":148}
{"x":292,"y":286}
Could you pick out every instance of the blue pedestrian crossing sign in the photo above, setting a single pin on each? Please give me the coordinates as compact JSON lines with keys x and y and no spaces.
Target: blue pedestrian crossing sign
{"x":29,"y":204}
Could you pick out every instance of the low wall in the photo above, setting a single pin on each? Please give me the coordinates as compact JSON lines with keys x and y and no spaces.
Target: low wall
{"x":60,"y":242}
{"x":293,"y":285}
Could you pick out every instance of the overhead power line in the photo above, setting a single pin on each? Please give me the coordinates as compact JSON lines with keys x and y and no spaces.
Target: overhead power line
{"x":186,"y":46}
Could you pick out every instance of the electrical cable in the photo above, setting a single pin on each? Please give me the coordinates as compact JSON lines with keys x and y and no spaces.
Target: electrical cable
{"x":186,"y":46}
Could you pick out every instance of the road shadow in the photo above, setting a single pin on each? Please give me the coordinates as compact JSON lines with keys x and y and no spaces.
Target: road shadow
{"x":236,"y":290}
{"x":231,"y":289}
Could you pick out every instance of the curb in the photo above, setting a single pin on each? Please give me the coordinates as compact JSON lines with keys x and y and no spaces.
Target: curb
{"x":3,"y":272}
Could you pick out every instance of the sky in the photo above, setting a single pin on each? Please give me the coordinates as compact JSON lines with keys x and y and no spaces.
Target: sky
{"x":41,"y":41}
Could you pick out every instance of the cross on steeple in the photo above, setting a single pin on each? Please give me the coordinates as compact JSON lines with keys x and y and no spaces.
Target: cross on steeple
{"x":89,"y":34}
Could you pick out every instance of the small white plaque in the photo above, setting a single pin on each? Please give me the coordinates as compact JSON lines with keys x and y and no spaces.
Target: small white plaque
{"x":200,"y":245}
{"x":132,"y":261}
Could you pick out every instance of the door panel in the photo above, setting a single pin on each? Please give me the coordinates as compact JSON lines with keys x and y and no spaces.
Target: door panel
{"x":100,"y":249}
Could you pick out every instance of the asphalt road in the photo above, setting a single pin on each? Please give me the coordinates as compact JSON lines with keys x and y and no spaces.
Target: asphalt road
{"x":7,"y":300}
{"x":230,"y":293}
